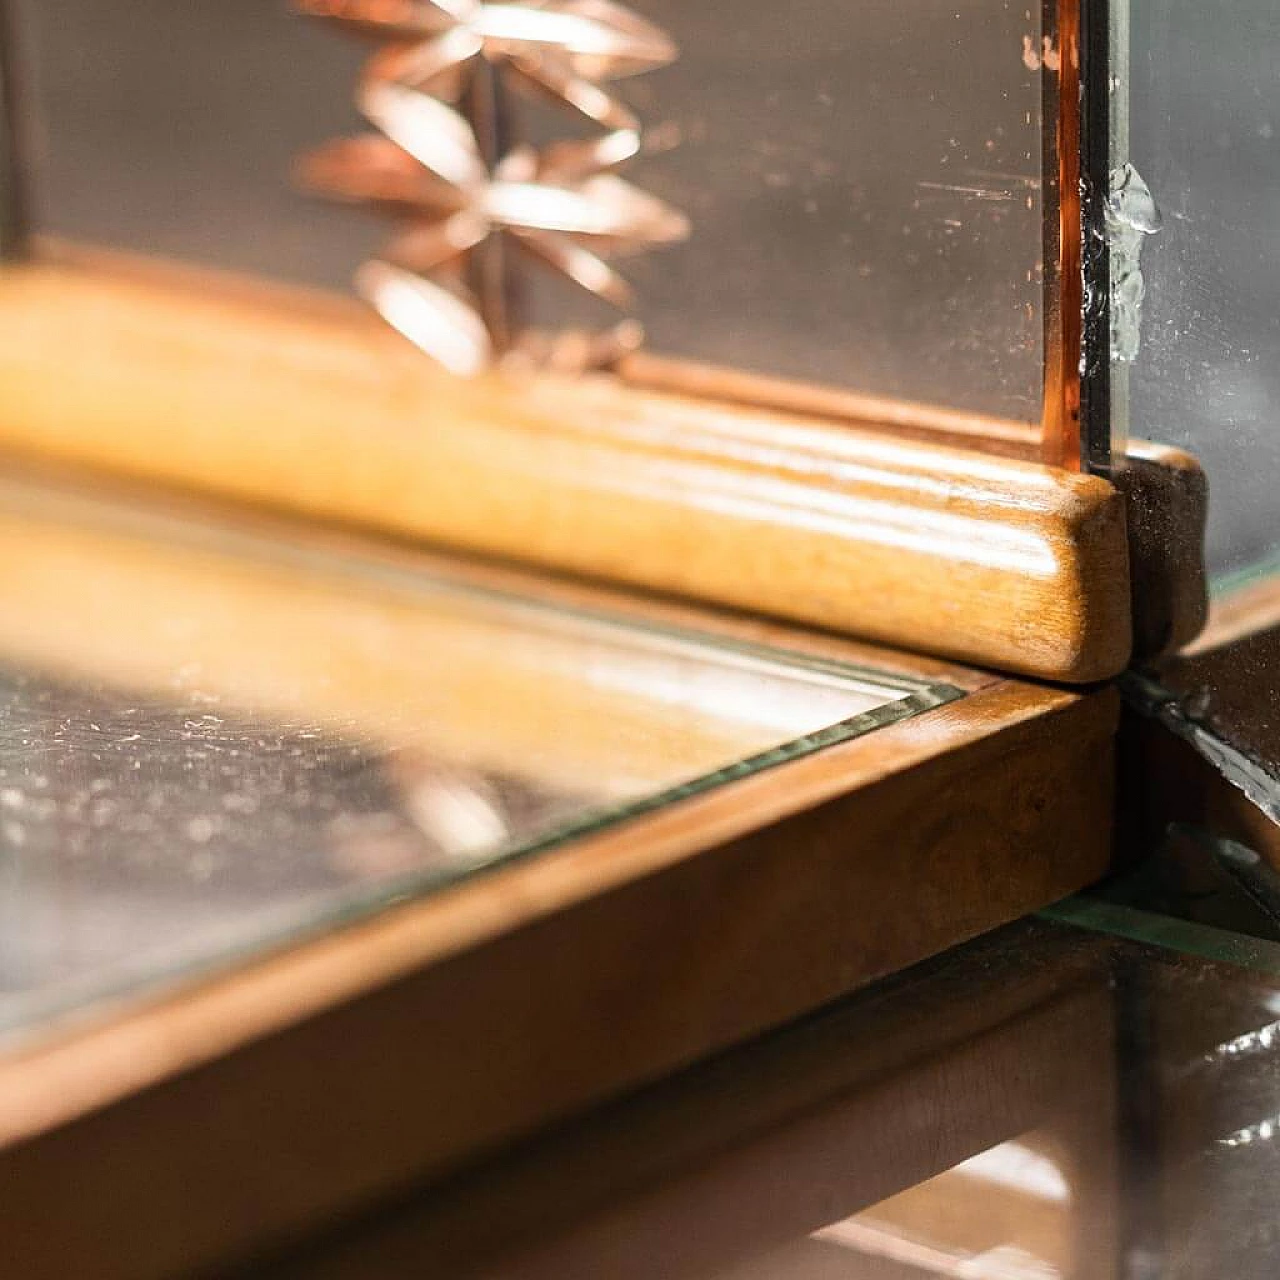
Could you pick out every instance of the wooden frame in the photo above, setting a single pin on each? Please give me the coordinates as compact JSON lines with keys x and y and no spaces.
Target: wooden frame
{"x":999,"y":562}
{"x":550,"y":983}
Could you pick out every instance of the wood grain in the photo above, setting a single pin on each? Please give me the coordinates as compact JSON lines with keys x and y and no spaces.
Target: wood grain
{"x":254,"y":1108}
{"x":303,"y":402}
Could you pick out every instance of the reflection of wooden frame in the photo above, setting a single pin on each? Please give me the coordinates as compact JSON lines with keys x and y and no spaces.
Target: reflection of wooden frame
{"x":465,"y":1018}
{"x":291,"y":630}
{"x":781,"y":1139}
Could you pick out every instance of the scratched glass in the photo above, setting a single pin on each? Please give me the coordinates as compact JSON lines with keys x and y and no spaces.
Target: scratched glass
{"x":1196,"y":336}
{"x":864,"y":181}
{"x":1196,"y":204}
{"x":245,"y":739}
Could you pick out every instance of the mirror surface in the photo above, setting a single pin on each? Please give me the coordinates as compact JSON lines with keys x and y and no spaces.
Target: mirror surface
{"x":864,"y":181}
{"x":1198,"y":122}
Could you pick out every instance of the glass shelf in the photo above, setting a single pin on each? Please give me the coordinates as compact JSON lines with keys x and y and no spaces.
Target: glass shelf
{"x":244,"y":739}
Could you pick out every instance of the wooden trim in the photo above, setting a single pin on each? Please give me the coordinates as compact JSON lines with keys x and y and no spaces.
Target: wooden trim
{"x":1167,"y":498}
{"x":254,"y":1108}
{"x":306,"y":403}
{"x":1164,"y":488}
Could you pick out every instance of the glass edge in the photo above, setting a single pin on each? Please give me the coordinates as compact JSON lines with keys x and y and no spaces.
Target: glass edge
{"x":1097,"y":407}
{"x":1167,"y":933}
{"x":1249,"y":575}
{"x":1146,"y":695}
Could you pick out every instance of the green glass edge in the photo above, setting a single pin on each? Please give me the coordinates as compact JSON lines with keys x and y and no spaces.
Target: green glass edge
{"x":1227,"y":583}
{"x":1168,"y":933}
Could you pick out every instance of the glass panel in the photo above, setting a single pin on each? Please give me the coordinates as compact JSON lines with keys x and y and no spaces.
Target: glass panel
{"x":1195,"y":266}
{"x":864,"y":181}
{"x":1195,"y":202}
{"x":241,"y":739}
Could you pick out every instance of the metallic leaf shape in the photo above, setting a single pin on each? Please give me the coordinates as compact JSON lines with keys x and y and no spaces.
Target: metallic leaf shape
{"x":599,"y":39}
{"x":436,"y":321}
{"x":392,"y":19}
{"x":434,"y":134}
{"x":561,"y":205}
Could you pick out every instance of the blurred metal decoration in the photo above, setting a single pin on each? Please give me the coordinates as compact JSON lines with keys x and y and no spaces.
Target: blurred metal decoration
{"x":473,"y":203}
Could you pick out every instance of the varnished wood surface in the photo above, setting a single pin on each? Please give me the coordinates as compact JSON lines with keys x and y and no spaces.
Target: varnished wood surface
{"x":256,"y":1107}
{"x":1165,"y":489}
{"x":306,"y":403}
{"x":1167,"y":497}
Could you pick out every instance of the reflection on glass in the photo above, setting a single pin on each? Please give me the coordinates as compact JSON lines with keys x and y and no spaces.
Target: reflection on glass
{"x":211,"y":740}
{"x":1091,"y":1097}
{"x":865,"y":180}
{"x":865,"y":187}
{"x":1004,"y":1214}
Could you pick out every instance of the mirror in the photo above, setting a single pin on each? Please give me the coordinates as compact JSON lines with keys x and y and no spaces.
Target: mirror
{"x":871,"y":188}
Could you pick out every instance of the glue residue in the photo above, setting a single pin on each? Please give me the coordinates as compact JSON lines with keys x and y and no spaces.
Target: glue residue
{"x":1132,"y":215}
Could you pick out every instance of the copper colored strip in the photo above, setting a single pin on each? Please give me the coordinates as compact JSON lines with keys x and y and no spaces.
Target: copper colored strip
{"x":1064,"y":297}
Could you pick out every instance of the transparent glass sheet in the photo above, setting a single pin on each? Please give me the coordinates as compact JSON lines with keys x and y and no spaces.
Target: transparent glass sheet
{"x":1196,"y":264}
{"x":211,"y":741}
{"x":864,"y":180}
{"x":1195,"y":203}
